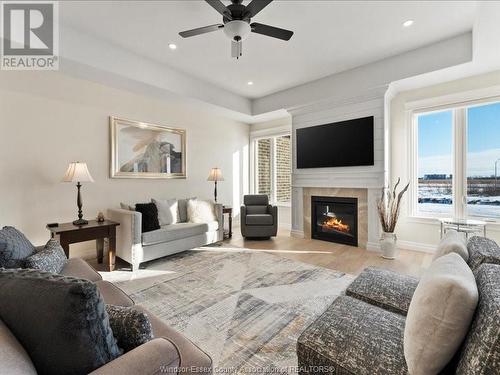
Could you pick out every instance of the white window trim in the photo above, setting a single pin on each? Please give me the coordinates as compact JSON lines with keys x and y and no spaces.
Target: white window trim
{"x":459,"y":104}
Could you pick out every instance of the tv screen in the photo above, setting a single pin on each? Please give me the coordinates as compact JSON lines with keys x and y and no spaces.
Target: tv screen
{"x":340,"y":144}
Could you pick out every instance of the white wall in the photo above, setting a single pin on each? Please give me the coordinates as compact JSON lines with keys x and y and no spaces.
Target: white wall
{"x":48,"y":119}
{"x":417,"y":233}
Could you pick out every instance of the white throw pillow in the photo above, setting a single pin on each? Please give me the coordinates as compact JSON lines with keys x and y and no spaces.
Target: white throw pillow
{"x":452,"y":242}
{"x":439,"y":315}
{"x":200,"y":211}
{"x":167,"y":210}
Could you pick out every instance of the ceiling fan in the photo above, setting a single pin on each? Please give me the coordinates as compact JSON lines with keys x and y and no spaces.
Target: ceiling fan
{"x":236,"y":19}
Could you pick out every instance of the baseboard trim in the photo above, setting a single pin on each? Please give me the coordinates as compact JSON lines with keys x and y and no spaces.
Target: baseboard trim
{"x":373,"y":246}
{"x":297,"y":233}
{"x":406,"y":245}
{"x":417,"y":246}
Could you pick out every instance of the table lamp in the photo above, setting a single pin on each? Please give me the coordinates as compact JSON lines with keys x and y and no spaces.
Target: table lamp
{"x":78,"y":172}
{"x":215,"y":175}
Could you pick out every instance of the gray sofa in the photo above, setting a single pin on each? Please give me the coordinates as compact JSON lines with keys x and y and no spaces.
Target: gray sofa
{"x":136,"y":247}
{"x":362,"y":331}
{"x":258,"y":217}
{"x":168,"y":352}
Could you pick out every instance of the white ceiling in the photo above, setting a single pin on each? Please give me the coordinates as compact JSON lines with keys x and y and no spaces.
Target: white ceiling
{"x":330,"y":36}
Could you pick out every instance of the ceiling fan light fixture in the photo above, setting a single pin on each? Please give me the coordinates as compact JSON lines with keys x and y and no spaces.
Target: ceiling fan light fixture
{"x":237,"y":30}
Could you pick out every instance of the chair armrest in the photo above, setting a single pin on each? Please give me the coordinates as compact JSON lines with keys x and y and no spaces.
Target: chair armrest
{"x":243,"y":211}
{"x":383,"y":288}
{"x":154,"y":357}
{"x":273,"y":210}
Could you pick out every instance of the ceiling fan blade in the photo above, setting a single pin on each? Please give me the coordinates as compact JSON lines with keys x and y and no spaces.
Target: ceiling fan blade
{"x":274,"y":32}
{"x":220,"y":7}
{"x":201,"y":30}
{"x":255,"y":7}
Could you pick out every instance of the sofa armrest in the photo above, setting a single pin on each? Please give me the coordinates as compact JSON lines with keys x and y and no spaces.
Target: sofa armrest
{"x":482,"y":250}
{"x":219,"y":215}
{"x":383,"y":288}
{"x":128,"y":233}
{"x":154,"y":357}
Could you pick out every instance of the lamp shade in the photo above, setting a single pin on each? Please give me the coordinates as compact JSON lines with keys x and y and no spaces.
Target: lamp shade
{"x":215,"y":175}
{"x":77,"y":172}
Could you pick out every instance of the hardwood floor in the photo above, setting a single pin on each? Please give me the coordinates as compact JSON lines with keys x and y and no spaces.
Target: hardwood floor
{"x":330,"y":255}
{"x":343,"y":258}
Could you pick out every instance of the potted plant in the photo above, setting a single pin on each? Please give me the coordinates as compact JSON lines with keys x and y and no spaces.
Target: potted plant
{"x":388,"y":211}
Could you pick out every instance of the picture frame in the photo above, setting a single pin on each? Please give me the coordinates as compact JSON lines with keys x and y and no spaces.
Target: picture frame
{"x":145,"y":150}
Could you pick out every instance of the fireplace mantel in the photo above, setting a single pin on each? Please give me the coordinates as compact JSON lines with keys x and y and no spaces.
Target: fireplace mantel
{"x":360,"y":194}
{"x":369,"y":179}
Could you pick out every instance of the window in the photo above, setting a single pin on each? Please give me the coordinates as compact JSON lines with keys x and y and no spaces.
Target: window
{"x":457,"y":161}
{"x":273,"y":168}
{"x":435,"y":164}
{"x":483,"y":160}
{"x":264,"y":167}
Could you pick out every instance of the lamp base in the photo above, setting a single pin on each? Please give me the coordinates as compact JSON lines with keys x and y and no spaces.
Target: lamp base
{"x":80,"y":222}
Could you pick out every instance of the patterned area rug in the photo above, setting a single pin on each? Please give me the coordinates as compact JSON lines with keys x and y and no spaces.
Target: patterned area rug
{"x":245,"y":308}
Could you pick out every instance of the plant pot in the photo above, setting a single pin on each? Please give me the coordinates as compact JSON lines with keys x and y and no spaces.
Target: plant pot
{"x":388,"y":245}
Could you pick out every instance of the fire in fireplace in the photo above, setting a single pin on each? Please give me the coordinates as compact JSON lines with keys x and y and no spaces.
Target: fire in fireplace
{"x":331,"y":223}
{"x":335,"y":219}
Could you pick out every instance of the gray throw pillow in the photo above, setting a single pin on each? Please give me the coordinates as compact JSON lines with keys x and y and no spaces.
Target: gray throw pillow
{"x":439,"y":315}
{"x":60,"y":321}
{"x":14,"y":247}
{"x":452,"y":242}
{"x":168,"y":211}
{"x":50,"y":259}
{"x":131,"y":327}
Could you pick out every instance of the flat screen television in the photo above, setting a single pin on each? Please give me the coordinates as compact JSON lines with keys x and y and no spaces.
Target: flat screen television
{"x":340,"y":144}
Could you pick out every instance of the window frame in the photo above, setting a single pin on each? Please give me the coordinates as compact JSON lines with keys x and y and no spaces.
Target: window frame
{"x":458,"y":104}
{"x":254,"y":164}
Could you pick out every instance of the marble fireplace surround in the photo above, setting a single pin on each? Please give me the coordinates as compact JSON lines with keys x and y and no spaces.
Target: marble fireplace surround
{"x":360,"y":194}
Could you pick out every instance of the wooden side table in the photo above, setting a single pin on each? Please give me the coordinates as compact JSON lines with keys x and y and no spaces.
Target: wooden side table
{"x":229,"y":211}
{"x":68,"y":233}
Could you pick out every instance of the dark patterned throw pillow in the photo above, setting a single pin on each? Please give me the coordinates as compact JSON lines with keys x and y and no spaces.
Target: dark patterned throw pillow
{"x":14,"y":247}
{"x":130,"y":327}
{"x":60,"y":321}
{"x":50,"y":259}
{"x":149,"y":216}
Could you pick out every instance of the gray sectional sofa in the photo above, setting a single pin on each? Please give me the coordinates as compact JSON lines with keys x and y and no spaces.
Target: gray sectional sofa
{"x":136,"y":247}
{"x":362,"y":332}
{"x":168,"y":352}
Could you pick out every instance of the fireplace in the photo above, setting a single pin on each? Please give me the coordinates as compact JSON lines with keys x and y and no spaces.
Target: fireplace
{"x":335,"y":219}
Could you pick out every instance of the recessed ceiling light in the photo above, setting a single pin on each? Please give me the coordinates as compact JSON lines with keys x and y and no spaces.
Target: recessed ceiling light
{"x":172,"y":46}
{"x":408,"y":23}
{"x":250,"y":83}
